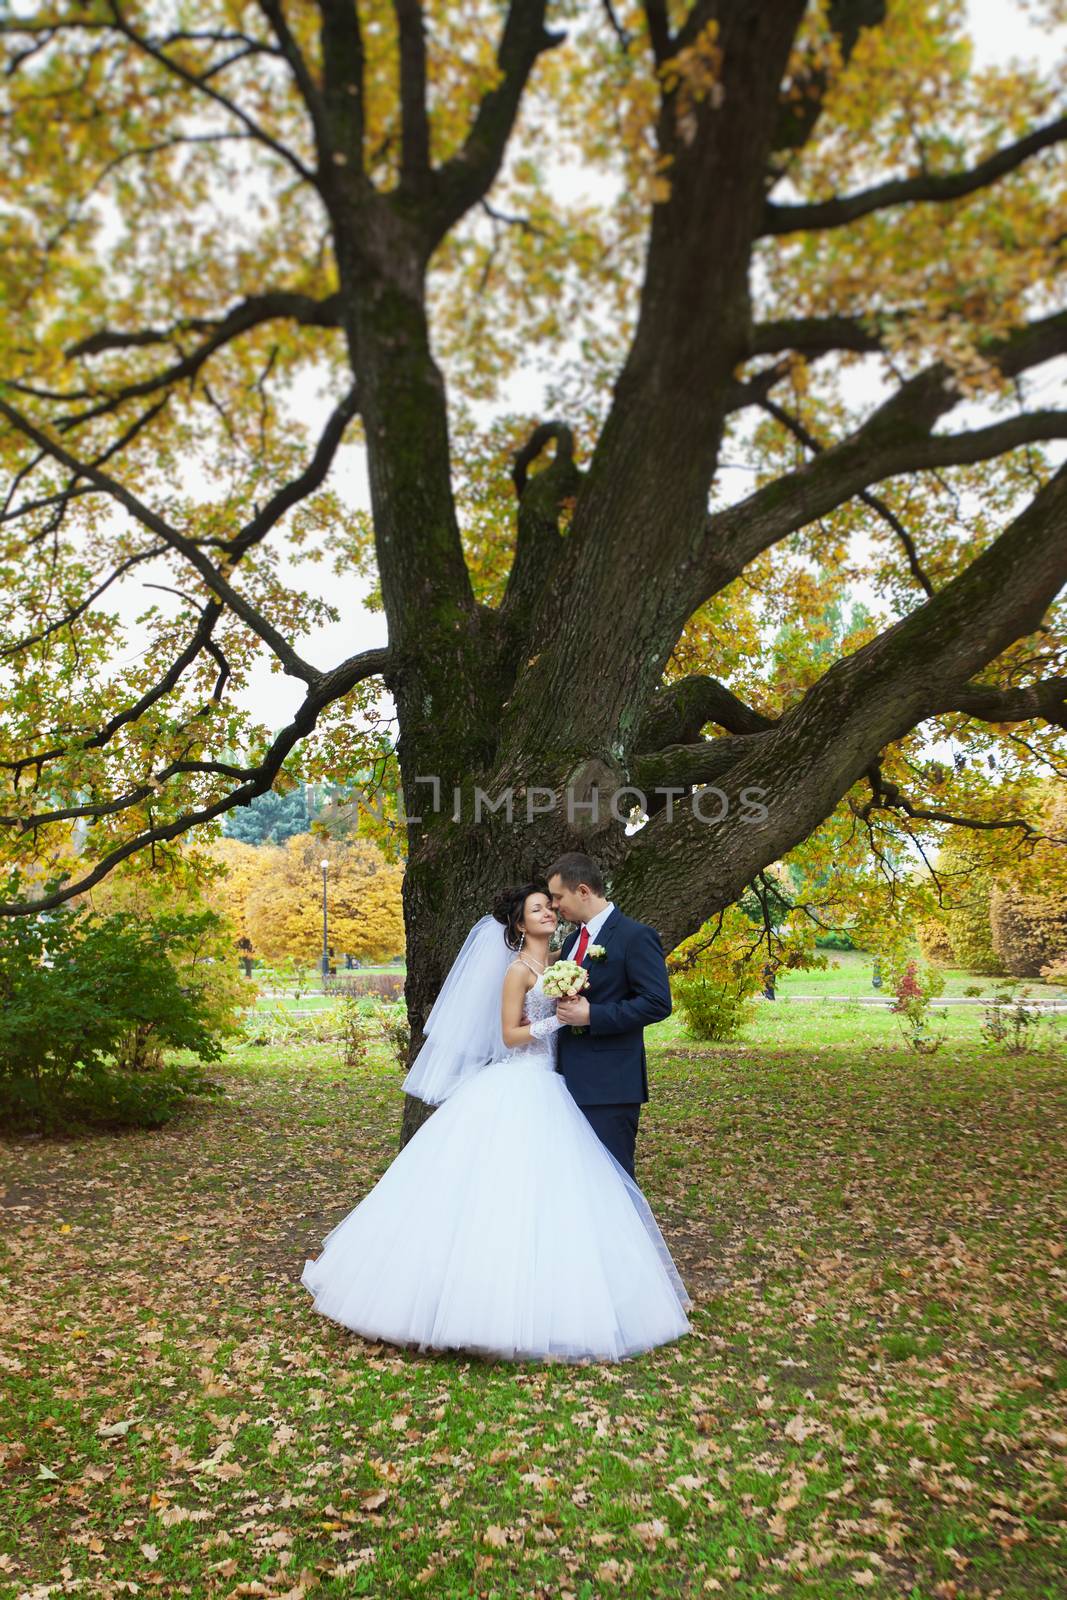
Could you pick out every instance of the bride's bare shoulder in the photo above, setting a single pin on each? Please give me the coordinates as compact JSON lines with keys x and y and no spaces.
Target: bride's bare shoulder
{"x":519,"y":977}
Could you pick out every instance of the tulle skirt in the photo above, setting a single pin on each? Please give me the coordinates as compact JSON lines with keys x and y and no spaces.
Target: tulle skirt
{"x":505,"y":1228}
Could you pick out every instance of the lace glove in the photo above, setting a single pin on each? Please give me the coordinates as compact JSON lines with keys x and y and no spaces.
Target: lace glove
{"x":546,"y":1027}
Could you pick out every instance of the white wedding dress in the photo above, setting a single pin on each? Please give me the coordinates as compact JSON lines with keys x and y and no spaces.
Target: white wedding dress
{"x":504,"y":1227}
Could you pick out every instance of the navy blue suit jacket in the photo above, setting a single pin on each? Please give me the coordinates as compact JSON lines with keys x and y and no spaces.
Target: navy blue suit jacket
{"x":627,"y":989}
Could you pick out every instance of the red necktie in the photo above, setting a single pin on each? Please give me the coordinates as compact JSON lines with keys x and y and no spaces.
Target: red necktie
{"x":583,"y":943}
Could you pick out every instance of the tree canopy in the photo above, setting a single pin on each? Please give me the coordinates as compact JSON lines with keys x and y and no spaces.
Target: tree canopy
{"x":784,"y":278}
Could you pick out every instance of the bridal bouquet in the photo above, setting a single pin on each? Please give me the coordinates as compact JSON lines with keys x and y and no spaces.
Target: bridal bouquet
{"x":563,"y":980}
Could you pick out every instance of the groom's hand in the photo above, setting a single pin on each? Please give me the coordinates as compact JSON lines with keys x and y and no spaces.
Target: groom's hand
{"x":573,"y":1011}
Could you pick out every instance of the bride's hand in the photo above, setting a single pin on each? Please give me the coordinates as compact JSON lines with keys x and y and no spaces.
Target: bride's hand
{"x":574,"y":1011}
{"x":545,"y":1028}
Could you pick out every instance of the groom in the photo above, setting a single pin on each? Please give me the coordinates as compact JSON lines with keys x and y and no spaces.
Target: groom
{"x":604,"y":1067}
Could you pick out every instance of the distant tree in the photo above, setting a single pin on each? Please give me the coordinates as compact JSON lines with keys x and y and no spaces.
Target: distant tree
{"x":1028,"y":915}
{"x":966,"y":880}
{"x":995,"y":916}
{"x":240,"y":866}
{"x":1029,"y":931}
{"x":269,"y":818}
{"x":283,"y":911}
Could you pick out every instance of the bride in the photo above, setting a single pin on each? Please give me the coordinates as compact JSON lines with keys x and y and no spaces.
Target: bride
{"x":503,"y":1227}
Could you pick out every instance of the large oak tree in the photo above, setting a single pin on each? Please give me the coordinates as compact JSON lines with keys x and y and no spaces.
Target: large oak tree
{"x":799,"y":241}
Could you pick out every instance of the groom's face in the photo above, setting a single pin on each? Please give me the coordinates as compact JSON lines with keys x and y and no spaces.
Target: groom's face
{"x":571,"y":904}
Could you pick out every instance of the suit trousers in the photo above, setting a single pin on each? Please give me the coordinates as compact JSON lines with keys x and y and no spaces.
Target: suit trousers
{"x":616,"y":1128}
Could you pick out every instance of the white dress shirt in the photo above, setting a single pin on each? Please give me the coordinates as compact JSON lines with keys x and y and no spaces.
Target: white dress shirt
{"x":596,"y":923}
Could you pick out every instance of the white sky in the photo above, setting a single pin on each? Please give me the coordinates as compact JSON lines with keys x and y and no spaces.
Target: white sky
{"x":1000,"y":30}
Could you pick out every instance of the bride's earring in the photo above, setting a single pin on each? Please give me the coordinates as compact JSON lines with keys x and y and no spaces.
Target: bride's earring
{"x":522,"y":940}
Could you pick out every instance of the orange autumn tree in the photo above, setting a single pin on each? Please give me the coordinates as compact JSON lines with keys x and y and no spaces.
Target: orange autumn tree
{"x":787,"y":274}
{"x":238,"y":867}
{"x":283,"y":903}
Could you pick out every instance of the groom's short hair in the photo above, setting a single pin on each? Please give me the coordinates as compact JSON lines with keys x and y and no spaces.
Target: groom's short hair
{"x":575,"y":868}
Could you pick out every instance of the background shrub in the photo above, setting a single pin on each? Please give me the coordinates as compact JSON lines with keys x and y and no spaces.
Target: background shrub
{"x":713,"y":1009}
{"x":81,"y":998}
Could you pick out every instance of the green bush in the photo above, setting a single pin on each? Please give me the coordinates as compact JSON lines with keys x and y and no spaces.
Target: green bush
{"x":199,"y":942}
{"x":397,"y":1030}
{"x":353,"y":1021}
{"x":1011,"y":1024}
{"x":75,"y":989}
{"x":712,"y":1010}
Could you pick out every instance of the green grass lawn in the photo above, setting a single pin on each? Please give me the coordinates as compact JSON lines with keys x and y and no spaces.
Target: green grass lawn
{"x":871,"y":1401}
{"x":848,"y":1025}
{"x":849,"y":972}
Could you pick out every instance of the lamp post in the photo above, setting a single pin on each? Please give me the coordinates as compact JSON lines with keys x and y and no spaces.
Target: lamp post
{"x":325,"y":930}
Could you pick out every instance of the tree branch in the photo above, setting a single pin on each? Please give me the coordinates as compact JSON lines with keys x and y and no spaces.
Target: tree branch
{"x":215,"y":580}
{"x":621,"y":33}
{"x":272,"y":10}
{"x":808,"y":336}
{"x":707,"y":761}
{"x":671,"y":397}
{"x":937,"y":450}
{"x":799,"y":113}
{"x":544,"y":434}
{"x":1021,"y":703}
{"x":468,"y":175}
{"x":779,"y":219}
{"x":415,"y":149}
{"x":75,"y":612}
{"x":659,"y":30}
{"x":888,"y":796}
{"x":298,"y":488}
{"x":797,"y":772}
{"x":677,"y":713}
{"x":895,"y":438}
{"x":813,"y":336}
{"x":62,"y":497}
{"x":200,"y":82}
{"x":680,"y":766}
{"x":249,"y":313}
{"x":199,"y":641}
{"x":753,"y":391}
{"x":875,"y":502}
{"x":541,"y":501}
{"x":341,"y":44}
{"x":331,"y":686}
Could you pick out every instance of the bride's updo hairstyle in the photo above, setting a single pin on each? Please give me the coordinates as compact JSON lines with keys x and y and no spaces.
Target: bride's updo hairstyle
{"x":508,"y":908}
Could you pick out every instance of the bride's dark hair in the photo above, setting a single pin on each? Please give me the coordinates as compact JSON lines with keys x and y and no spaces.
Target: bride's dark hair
{"x":508,"y":908}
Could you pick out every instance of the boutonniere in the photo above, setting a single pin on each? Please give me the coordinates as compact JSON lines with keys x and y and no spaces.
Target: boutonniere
{"x":596,"y":952}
